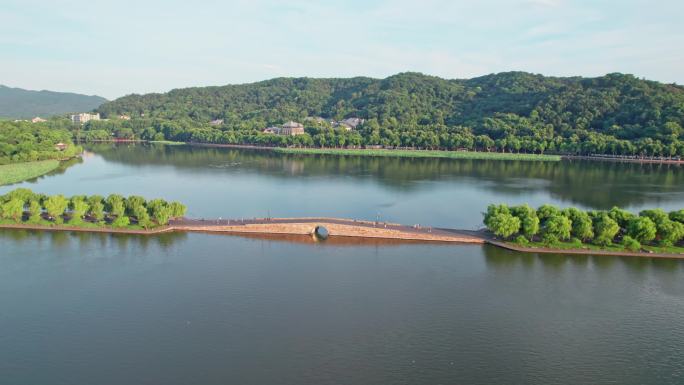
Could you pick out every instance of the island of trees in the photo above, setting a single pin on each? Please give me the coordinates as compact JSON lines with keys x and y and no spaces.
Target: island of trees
{"x":23,"y":206}
{"x":512,"y":112}
{"x":571,"y":228}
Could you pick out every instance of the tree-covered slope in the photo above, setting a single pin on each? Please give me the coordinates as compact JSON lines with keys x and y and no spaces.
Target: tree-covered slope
{"x":19,"y":103}
{"x":27,"y":142}
{"x":615,"y":113}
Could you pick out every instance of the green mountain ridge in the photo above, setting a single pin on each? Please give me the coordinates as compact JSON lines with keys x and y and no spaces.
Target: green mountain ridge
{"x":614,"y":104}
{"x":18,"y":103}
{"x":511,"y":111}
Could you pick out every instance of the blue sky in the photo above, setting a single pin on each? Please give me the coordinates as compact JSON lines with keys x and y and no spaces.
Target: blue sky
{"x":113,"y":48}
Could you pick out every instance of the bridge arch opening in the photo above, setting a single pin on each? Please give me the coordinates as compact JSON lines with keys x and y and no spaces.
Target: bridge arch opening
{"x":321,"y":233}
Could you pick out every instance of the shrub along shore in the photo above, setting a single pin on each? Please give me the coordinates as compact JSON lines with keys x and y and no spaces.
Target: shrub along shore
{"x":613,"y":230}
{"x":406,"y":153}
{"x":24,"y":207}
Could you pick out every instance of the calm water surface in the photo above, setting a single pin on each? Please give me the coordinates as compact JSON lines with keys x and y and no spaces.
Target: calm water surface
{"x":208,"y":309}
{"x":219,"y":182}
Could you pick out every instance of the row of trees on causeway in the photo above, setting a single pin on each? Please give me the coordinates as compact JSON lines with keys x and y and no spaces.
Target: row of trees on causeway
{"x":24,"y":206}
{"x":550,"y":225}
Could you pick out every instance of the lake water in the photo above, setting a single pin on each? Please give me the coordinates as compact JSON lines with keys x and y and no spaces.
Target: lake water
{"x":211,"y":309}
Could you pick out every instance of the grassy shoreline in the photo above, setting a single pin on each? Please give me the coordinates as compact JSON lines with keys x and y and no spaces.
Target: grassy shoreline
{"x":19,"y":172}
{"x":419,"y":154}
{"x":83,"y":227}
{"x":615,"y":247}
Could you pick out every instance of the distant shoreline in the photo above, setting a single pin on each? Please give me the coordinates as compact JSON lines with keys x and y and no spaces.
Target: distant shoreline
{"x":390,"y":153}
{"x":337,"y":227}
{"x":411,"y":153}
{"x":624,"y":159}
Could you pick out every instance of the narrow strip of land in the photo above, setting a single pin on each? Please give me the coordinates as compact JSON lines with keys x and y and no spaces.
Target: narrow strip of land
{"x":337,"y":227}
{"x":334,"y":226}
{"x":545,"y":250}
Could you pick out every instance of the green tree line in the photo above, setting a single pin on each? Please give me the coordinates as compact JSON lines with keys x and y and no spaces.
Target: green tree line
{"x":24,"y":206}
{"x":550,"y":225}
{"x":27,"y":142}
{"x":614,"y":114}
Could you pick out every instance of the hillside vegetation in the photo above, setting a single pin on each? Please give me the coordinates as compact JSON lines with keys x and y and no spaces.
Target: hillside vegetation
{"x":29,"y":142}
{"x":506,"y":112}
{"x":17,"y":103}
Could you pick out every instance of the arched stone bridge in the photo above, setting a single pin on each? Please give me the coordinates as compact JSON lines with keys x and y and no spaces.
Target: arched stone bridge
{"x":336,"y":228}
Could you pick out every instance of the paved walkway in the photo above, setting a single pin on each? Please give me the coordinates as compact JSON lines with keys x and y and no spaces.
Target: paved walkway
{"x":336,"y":226}
{"x":344,"y":228}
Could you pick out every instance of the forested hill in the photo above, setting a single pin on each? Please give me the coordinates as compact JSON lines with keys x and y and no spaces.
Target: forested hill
{"x":410,"y":109}
{"x":19,"y":103}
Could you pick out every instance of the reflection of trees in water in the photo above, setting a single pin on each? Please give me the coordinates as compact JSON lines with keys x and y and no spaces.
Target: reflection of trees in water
{"x":501,"y":259}
{"x":62,"y":239}
{"x":590,"y":184}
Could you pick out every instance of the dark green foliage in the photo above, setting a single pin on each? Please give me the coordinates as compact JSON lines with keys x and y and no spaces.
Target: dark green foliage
{"x":631,"y":244}
{"x":605,"y":229}
{"x":35,"y":210}
{"x":97,"y":207}
{"x":642,"y":229}
{"x":521,"y":240}
{"x":669,"y":232}
{"x":55,"y":207}
{"x":582,"y":226}
{"x":177,"y":209}
{"x":500,"y":221}
{"x":505,"y":225}
{"x":79,"y":207}
{"x":20,"y":103}
{"x":13,"y":209}
{"x":27,"y":142}
{"x":658,"y":216}
{"x":556,"y":228}
{"x":622,"y":217}
{"x":133,"y":204}
{"x":575,"y":227}
{"x":121,"y":221}
{"x":20,"y":193}
{"x":142,"y":216}
{"x":506,"y":112}
{"x":677,"y":216}
{"x":115,"y":205}
{"x":529,"y":221}
{"x":91,"y":209}
{"x":547,"y":211}
{"x":493,"y":210}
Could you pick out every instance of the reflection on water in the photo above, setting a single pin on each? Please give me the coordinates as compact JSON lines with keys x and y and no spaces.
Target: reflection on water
{"x":232,"y":183}
{"x":183,"y":308}
{"x":86,"y":240}
{"x":497,"y":258}
{"x":590,"y":184}
{"x":175,"y":308}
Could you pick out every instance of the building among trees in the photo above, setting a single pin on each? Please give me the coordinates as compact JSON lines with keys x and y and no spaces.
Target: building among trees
{"x":291,"y":128}
{"x":350,"y":123}
{"x":84,"y":117}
